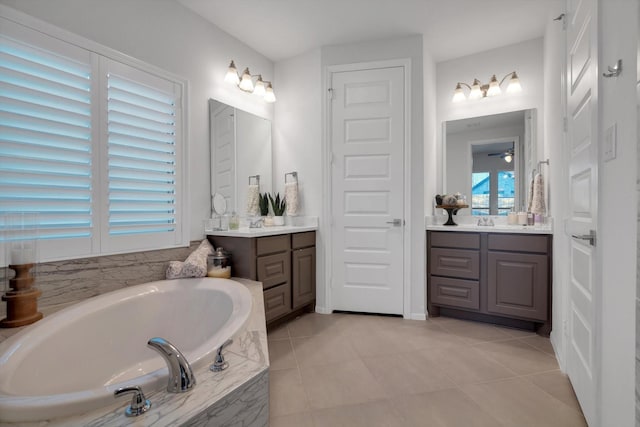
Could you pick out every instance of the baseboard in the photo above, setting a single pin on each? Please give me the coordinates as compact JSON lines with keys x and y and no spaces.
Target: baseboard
{"x":323,"y":310}
{"x":418,"y":316}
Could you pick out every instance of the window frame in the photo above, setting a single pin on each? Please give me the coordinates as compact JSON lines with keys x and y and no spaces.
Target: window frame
{"x":32,"y":31}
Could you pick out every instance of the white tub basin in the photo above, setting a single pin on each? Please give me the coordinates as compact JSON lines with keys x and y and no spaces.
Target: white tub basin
{"x":72,"y":361}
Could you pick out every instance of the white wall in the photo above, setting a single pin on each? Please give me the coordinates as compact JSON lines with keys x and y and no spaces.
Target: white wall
{"x":400,"y":48}
{"x":297,"y":133}
{"x":525,"y":58}
{"x":617,"y":213}
{"x":166,"y":34}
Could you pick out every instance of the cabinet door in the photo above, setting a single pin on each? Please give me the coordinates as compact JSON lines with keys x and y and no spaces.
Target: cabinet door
{"x":518,"y":285}
{"x":304,"y":276}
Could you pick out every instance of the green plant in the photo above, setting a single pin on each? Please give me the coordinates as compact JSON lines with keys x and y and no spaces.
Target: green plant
{"x":277,"y":205}
{"x":263,"y":203}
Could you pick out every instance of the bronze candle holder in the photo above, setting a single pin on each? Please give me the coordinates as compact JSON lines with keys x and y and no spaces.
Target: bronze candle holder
{"x":22,"y":299}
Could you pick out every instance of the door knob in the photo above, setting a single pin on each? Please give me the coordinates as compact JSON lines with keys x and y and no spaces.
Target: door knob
{"x":397,"y":222}
{"x":591,"y":237}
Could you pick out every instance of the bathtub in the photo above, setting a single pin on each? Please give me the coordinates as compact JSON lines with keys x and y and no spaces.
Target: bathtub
{"x":72,"y":361}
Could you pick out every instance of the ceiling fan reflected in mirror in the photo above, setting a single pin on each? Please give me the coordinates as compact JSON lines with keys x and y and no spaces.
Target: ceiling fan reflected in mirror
{"x":506,"y":155}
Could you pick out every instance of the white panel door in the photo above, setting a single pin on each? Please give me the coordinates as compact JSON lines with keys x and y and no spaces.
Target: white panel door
{"x":582,"y":120}
{"x":223,"y":152}
{"x":367,"y":142}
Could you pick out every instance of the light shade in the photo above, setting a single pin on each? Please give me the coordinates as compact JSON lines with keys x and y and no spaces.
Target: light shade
{"x":508,"y":158}
{"x":494,"y":87}
{"x":514,"y":84}
{"x":246,"y":83}
{"x":259,"y":89}
{"x":458,"y":94}
{"x":269,"y":96}
{"x":476,"y":90}
{"x":232,"y":74}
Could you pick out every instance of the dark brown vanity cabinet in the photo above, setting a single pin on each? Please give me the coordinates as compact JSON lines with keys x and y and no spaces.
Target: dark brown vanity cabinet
{"x":285,"y":264}
{"x":496,"y":277}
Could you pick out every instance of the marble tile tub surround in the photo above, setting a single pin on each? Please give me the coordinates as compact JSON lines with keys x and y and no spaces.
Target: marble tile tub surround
{"x":362,"y":370}
{"x":69,"y":281}
{"x":238,"y":396}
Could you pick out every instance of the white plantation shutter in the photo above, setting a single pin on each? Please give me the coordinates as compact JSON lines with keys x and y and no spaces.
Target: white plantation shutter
{"x":46,"y":141}
{"x":93,"y":145}
{"x":143,"y":123}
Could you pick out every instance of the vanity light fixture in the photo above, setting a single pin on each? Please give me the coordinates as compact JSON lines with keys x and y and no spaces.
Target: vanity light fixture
{"x":245,"y":83}
{"x":478,"y":90}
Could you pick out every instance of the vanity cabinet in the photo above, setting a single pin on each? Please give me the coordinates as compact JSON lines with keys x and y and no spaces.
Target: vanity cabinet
{"x":285,"y":264}
{"x":502,"y":278}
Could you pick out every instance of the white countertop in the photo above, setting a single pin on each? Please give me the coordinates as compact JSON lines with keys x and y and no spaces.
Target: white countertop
{"x":296,"y":224}
{"x":469,"y":223}
{"x":525,"y":229}
{"x":263,"y":231}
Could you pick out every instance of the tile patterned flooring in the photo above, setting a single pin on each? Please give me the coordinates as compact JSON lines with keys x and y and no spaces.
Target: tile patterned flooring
{"x":358,"y":370}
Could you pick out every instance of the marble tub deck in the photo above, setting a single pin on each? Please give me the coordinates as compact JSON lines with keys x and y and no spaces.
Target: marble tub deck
{"x":236,"y":395}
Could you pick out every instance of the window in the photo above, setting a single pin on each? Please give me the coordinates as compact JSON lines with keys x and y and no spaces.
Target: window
{"x":91,"y":144}
{"x":506,"y":191}
{"x":480,"y":193}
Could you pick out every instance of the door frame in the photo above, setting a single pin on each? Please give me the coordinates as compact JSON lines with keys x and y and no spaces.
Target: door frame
{"x":326,"y":226}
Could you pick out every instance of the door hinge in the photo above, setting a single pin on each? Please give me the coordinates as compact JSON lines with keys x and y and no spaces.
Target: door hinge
{"x":331,"y":93}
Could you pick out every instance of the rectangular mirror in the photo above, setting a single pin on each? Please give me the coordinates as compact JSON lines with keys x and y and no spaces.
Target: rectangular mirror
{"x":240,"y":148}
{"x":491,"y":160}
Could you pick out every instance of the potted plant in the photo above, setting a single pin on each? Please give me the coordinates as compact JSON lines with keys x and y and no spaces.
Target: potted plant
{"x":264,"y":204}
{"x":278,"y":206}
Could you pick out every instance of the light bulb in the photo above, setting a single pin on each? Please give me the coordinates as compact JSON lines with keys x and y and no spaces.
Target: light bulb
{"x":514,"y":84}
{"x":458,"y":94}
{"x":245,"y":83}
{"x":259,"y":89}
{"x":508,"y":158}
{"x":232,"y":74}
{"x":476,"y":91}
{"x":269,"y":96}
{"x":494,"y":87}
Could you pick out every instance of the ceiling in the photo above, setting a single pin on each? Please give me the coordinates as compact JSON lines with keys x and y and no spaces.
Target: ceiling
{"x":281,"y":29}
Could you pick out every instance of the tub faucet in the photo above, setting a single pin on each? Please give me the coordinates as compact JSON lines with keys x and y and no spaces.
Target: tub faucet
{"x":181,"y":377}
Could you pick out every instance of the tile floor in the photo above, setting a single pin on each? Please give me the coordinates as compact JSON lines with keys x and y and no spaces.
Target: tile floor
{"x":357,"y":370}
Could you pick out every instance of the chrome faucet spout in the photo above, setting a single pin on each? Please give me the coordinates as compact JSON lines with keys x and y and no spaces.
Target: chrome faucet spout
{"x":181,"y":376}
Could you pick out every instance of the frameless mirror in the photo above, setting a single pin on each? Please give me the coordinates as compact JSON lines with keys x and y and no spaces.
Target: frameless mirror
{"x":490,"y":159}
{"x":240,"y":148}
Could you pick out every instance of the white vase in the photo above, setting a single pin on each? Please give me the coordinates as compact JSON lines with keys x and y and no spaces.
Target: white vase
{"x":278,"y":220}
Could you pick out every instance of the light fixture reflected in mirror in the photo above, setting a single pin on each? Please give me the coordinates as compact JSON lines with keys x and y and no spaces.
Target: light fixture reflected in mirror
{"x":508,"y":157}
{"x":478,"y":90}
{"x":245,"y":83}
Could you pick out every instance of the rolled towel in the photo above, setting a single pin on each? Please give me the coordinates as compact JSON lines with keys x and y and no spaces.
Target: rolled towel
{"x":291,"y":197}
{"x":253,"y":195}
{"x":538,"y":206}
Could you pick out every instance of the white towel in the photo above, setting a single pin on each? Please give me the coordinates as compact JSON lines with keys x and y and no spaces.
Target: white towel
{"x":291,"y":197}
{"x":537,"y":205}
{"x":253,"y":192}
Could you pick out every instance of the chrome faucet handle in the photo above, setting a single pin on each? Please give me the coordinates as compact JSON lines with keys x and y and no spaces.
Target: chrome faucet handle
{"x":220,"y":364}
{"x":139,"y":404}
{"x":256,"y":222}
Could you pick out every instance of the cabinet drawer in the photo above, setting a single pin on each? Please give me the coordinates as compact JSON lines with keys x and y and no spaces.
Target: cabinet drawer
{"x":274,"y":269}
{"x":277,"y":301}
{"x":303,"y":240}
{"x":518,"y":285}
{"x":454,"y":239}
{"x":518,"y":243}
{"x":455,"y":292}
{"x":272,"y":244}
{"x":455,"y":263}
